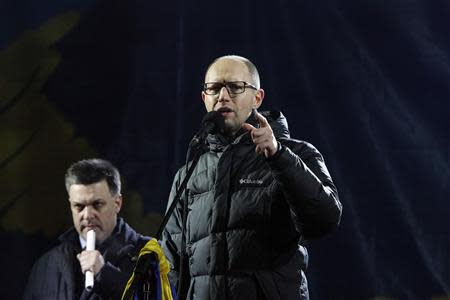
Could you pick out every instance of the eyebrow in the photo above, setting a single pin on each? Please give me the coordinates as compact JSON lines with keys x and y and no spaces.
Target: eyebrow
{"x":82,"y":202}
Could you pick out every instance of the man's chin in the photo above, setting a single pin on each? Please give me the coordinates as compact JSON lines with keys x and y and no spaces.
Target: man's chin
{"x":231,"y":127}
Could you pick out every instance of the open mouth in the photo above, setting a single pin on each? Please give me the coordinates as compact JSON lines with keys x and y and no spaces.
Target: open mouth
{"x":225,"y":111}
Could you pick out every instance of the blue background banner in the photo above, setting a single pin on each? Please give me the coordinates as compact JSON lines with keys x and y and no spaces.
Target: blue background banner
{"x":366,"y":82}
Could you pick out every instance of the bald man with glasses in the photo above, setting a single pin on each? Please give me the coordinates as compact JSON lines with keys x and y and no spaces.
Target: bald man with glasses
{"x":253,"y":200}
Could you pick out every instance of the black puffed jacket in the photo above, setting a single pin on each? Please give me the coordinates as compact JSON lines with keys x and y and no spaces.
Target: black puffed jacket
{"x":248,"y":216}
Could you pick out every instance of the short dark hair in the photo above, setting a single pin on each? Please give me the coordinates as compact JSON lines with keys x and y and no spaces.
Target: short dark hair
{"x":89,"y":171}
{"x":250,"y":66}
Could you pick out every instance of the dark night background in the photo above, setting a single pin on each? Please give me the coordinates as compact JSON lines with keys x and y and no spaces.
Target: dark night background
{"x":367,"y":82}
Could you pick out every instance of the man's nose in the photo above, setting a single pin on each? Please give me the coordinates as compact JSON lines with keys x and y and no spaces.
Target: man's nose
{"x":223,"y":94}
{"x":88,"y":212}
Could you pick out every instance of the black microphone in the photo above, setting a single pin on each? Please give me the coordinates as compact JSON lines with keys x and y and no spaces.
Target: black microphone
{"x":212,"y":123}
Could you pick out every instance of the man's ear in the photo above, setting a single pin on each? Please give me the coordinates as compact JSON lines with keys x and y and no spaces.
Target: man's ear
{"x":259,"y":97}
{"x":118,"y":203}
{"x":203,"y":96}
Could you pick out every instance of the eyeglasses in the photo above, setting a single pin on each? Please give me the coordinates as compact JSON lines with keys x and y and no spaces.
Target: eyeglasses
{"x":233,"y":87}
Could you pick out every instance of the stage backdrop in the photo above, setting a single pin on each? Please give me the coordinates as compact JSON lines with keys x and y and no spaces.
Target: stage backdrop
{"x":367,"y":82}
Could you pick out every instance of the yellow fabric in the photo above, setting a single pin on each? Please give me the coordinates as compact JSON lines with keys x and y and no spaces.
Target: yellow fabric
{"x":152,"y":246}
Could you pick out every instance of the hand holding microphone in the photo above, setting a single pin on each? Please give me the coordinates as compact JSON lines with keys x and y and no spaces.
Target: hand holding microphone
{"x":91,"y":261}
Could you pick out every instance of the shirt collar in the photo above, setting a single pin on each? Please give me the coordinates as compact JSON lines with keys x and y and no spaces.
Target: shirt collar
{"x":82,"y":242}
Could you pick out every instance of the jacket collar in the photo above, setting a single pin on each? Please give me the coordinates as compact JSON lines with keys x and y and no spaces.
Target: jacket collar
{"x":122,"y":231}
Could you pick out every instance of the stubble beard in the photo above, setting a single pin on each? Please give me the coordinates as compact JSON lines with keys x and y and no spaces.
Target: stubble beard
{"x":231,"y":127}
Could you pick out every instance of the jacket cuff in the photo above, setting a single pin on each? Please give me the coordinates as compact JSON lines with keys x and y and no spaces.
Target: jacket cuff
{"x":280,"y":150}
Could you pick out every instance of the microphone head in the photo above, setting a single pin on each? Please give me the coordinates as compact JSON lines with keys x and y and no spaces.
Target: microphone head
{"x":213,"y":122}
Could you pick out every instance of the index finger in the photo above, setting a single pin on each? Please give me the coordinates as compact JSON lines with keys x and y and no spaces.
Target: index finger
{"x":261,"y":120}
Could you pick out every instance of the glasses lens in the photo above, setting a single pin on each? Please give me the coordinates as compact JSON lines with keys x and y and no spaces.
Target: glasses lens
{"x":212,"y":88}
{"x":236,"y":87}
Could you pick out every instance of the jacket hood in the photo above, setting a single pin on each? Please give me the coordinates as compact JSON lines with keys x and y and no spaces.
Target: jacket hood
{"x":278,"y":123}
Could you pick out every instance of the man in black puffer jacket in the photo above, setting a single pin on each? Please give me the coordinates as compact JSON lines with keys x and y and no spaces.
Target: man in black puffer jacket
{"x":94,"y":195}
{"x":253,"y":199}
